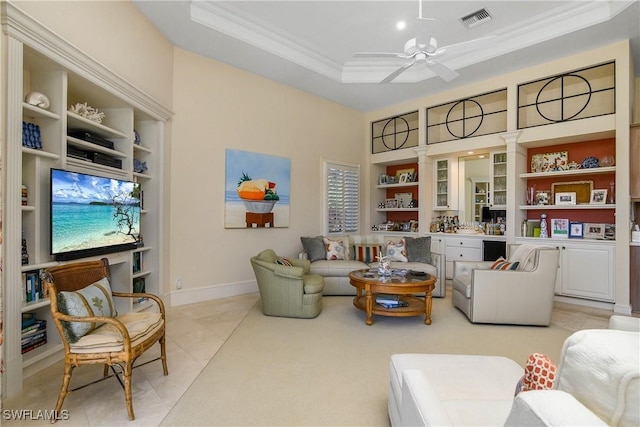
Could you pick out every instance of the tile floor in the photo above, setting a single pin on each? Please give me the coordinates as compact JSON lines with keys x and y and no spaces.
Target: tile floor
{"x":189,"y":348}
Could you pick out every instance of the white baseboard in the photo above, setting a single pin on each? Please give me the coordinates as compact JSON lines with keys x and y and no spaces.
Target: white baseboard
{"x":190,"y":296}
{"x":584,"y":302}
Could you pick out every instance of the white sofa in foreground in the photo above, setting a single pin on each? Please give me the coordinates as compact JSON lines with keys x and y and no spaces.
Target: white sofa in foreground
{"x":360,"y":253}
{"x":597,"y":383}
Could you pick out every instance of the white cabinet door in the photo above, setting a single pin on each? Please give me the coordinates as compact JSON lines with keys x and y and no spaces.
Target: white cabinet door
{"x":445,"y":185}
{"x":587,"y":271}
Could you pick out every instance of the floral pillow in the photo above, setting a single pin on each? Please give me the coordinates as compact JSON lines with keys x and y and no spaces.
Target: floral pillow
{"x":397,"y":251}
{"x":93,"y":300}
{"x":335,"y":249}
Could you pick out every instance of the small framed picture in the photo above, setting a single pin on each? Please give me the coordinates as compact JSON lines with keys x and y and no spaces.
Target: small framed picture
{"x":542,"y":197}
{"x":559,"y":228}
{"x":382,"y":179}
{"x":593,"y":231}
{"x":576,"y":230}
{"x":598,"y":197}
{"x":391,"y":203}
{"x":404,"y":178}
{"x":565,"y":198}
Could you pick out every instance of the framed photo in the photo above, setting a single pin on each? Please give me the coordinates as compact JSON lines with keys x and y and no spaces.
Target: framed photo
{"x":400,"y":172}
{"x":576,"y":230}
{"x":382,"y":179}
{"x":391,"y":203}
{"x":542,"y":197}
{"x":404,"y":178}
{"x":568,"y":198}
{"x":559,"y":228}
{"x":593,"y":231}
{"x":598,"y":197}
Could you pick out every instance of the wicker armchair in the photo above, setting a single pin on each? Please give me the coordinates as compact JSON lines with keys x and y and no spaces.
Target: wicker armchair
{"x":83,"y":312}
{"x":287,"y":290}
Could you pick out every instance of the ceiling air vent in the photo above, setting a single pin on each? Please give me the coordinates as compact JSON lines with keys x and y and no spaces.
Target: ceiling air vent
{"x":476,"y":18}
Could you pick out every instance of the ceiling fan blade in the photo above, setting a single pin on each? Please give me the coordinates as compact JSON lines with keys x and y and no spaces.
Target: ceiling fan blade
{"x":445,"y":73}
{"x":378,"y":55}
{"x":480,"y":43}
{"x":397,"y":72}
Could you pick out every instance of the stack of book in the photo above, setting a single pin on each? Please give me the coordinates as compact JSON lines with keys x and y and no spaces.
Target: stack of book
{"x":390,"y":301}
{"x":34,"y":289}
{"x":34,"y":333}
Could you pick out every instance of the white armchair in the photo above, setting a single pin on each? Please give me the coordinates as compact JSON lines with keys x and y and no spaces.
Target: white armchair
{"x":521,"y":297}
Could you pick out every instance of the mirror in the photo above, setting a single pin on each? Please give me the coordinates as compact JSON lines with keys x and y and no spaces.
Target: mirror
{"x":473,"y":186}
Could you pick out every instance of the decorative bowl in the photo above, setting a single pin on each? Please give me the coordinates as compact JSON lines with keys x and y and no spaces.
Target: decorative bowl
{"x":259,"y":206}
{"x":606,"y":161}
{"x":590,"y":162}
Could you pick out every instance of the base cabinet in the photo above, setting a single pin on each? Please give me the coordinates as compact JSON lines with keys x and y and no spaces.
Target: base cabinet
{"x":460,"y":249}
{"x":587,"y":271}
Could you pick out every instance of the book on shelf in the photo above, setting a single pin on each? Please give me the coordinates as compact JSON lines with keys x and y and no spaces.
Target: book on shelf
{"x":391,"y":301}
{"x":34,"y":328}
{"x":34,"y":345}
{"x":34,"y":289}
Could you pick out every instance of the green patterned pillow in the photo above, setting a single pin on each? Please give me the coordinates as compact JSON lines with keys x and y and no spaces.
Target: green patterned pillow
{"x":94,"y":300}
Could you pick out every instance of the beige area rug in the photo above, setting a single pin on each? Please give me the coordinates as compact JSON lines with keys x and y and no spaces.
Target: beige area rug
{"x":334,"y":370}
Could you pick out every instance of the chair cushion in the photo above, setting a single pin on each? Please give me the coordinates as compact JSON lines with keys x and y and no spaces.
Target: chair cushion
{"x":107,"y":338}
{"x":92,"y":300}
{"x":418,"y":249}
{"x":502,"y":264}
{"x":313,"y":284}
{"x":462,"y":283}
{"x":314,"y":247}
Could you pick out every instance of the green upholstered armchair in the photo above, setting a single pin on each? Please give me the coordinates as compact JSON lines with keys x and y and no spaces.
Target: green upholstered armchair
{"x":287,"y":291}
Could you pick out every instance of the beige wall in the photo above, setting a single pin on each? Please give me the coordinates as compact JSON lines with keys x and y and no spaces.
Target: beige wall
{"x":219,"y":107}
{"x":114,"y":33}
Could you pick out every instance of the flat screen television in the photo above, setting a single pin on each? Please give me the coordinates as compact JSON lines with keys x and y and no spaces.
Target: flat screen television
{"x":92,"y":215}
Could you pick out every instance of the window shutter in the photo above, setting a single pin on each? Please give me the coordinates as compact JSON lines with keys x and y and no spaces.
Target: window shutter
{"x":342,"y":198}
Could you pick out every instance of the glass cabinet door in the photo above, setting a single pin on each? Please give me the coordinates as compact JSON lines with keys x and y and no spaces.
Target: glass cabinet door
{"x":442,"y":184}
{"x":498,"y":180}
{"x":480,"y":199}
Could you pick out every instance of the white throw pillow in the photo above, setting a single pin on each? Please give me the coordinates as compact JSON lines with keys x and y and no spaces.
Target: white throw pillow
{"x":397,"y":251}
{"x":525,"y":254}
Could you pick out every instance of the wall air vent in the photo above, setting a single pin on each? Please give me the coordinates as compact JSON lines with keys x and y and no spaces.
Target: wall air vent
{"x":476,"y":18}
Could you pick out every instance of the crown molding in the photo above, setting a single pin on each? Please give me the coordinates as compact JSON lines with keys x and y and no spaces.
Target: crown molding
{"x":232,"y":21}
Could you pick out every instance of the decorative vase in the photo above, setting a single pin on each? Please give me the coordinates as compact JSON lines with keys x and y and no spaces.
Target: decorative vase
{"x":543,"y":226}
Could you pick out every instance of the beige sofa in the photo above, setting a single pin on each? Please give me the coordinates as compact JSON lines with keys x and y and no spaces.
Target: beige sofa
{"x":336,"y":272}
{"x":597,"y":383}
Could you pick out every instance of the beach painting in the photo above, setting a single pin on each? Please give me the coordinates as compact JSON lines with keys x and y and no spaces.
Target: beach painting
{"x":257,"y":189}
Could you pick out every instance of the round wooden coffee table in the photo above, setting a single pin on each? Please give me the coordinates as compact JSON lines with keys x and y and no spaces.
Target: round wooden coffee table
{"x":405,"y":287}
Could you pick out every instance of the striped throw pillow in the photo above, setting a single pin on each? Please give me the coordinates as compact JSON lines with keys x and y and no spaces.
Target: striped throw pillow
{"x":284,"y":261}
{"x":503,"y":264}
{"x":366,"y":252}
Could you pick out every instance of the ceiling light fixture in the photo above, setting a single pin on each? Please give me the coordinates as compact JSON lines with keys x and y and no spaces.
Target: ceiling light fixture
{"x":401,"y":25}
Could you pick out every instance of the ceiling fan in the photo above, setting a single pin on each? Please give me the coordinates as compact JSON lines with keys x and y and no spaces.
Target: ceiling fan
{"x":428,"y":54}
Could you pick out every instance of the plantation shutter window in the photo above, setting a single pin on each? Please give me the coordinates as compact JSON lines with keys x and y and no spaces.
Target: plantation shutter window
{"x":342,"y":193}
